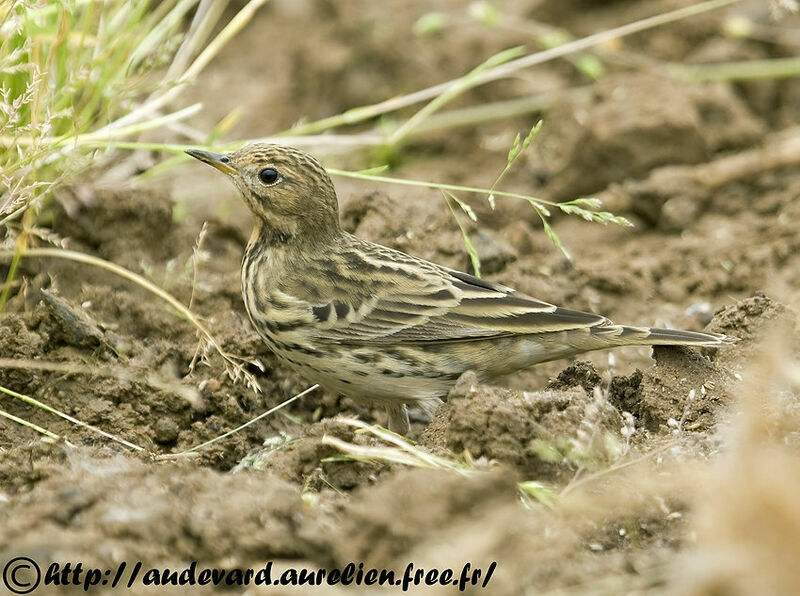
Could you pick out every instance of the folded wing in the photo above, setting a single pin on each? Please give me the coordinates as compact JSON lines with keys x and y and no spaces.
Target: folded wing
{"x":415,"y":301}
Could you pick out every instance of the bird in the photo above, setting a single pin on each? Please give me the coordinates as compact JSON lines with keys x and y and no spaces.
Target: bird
{"x":376,"y":324}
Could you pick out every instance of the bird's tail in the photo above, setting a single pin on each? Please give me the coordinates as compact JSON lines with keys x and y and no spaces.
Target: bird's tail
{"x":624,"y":335}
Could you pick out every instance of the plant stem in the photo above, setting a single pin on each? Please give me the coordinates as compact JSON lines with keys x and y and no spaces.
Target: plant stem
{"x":80,"y":257}
{"x":35,"y":402}
{"x":283,"y":404}
{"x":32,"y":426}
{"x":774,"y":68}
{"x":437,"y":185}
{"x":360,"y":114}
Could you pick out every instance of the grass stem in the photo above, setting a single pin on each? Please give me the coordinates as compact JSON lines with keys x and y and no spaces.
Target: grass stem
{"x":281,"y":405}
{"x":35,"y":402}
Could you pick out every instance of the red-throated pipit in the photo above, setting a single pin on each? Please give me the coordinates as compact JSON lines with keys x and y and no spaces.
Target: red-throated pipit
{"x":379,"y":325}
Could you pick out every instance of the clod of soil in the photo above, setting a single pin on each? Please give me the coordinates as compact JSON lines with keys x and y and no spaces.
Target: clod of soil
{"x":301,"y":459}
{"x":541,"y":434}
{"x":692,"y":388}
{"x":168,"y":513}
{"x":631,"y":124}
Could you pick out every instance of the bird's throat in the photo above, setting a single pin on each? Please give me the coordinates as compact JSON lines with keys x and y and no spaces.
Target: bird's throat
{"x":269,"y":234}
{"x":274,"y":231}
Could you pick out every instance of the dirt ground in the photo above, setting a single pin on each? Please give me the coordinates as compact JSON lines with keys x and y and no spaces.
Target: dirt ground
{"x":664,"y":471}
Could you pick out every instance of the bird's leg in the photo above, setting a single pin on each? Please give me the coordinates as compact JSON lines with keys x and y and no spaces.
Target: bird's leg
{"x":398,"y":419}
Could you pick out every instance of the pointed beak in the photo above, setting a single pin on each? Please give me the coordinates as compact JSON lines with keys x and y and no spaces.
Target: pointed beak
{"x":218,"y":160}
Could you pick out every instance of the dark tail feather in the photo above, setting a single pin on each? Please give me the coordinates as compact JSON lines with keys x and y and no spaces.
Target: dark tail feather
{"x":670,"y":337}
{"x":625,"y":335}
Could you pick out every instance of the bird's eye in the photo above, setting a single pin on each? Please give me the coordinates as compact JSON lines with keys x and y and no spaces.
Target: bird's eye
{"x":269,"y":176}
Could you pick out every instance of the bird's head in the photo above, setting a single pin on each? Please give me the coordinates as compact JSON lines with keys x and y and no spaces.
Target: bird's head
{"x":289,"y":192}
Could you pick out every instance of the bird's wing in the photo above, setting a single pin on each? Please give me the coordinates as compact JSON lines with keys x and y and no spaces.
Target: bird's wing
{"x":394,"y":297}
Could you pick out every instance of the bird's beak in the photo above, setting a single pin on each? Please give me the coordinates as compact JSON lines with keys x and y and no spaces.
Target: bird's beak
{"x":218,"y":160}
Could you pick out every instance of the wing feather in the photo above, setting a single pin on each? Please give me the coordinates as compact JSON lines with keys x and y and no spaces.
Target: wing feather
{"x":433,"y":304}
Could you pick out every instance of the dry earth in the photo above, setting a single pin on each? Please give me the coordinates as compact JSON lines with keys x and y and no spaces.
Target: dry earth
{"x":700,"y":498}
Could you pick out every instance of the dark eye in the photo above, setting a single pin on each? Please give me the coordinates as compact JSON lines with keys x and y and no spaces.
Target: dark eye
{"x":269,"y":175}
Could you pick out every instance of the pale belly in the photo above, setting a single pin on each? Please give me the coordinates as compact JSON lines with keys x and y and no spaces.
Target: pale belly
{"x":411,"y":373}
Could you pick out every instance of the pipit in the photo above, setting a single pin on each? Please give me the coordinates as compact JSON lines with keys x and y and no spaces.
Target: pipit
{"x":376,"y":324}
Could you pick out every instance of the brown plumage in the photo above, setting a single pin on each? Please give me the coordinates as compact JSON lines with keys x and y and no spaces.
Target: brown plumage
{"x":379,"y":325}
